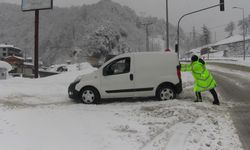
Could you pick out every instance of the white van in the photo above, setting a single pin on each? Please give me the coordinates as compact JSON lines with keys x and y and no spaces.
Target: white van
{"x":139,"y":74}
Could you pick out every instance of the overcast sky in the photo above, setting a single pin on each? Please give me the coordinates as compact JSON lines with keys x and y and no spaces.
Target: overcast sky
{"x":213,"y":18}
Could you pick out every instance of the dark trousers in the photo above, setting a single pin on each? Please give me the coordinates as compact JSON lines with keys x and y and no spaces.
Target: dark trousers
{"x":212,"y":91}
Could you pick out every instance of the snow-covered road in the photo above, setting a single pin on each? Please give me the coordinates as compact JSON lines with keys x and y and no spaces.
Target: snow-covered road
{"x":37,"y":114}
{"x":234,"y":86}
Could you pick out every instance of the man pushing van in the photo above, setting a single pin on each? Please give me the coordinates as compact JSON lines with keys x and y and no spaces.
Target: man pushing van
{"x":204,"y":80}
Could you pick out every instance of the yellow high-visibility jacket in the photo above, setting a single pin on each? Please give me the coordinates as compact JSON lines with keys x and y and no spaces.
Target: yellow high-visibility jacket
{"x":203,"y":78}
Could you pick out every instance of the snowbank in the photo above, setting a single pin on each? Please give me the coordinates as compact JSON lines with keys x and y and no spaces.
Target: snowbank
{"x":44,"y":90}
{"x":6,"y":65}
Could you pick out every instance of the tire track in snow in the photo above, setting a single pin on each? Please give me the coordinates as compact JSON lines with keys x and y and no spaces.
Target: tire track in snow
{"x":169,"y":141}
{"x":178,"y":140}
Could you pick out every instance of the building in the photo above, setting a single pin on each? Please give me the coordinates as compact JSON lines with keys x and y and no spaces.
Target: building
{"x":9,"y":50}
{"x":231,"y":46}
{"x":4,"y":69}
{"x":20,"y":67}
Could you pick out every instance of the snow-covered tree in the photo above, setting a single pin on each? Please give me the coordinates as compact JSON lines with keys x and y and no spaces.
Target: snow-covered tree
{"x":246,"y":26}
{"x":230,"y":28}
{"x":105,"y":40}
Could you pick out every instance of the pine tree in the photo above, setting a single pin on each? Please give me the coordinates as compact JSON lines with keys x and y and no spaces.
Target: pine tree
{"x":206,"y":36}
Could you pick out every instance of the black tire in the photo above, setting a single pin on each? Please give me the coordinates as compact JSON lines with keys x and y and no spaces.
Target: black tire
{"x":89,"y":95}
{"x":165,"y":92}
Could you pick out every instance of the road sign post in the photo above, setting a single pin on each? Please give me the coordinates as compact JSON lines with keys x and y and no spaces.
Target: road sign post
{"x":36,"y":5}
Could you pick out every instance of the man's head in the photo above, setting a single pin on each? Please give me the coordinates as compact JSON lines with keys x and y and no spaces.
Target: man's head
{"x":194,"y":58}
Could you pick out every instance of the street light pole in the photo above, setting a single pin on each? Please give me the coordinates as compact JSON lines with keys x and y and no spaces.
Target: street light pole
{"x":177,"y":46}
{"x":244,"y":32}
{"x":167,"y":26}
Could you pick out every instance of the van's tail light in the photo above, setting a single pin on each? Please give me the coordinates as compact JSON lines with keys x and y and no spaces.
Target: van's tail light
{"x":179,"y":73}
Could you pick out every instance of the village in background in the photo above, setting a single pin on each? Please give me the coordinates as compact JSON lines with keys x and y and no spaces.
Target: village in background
{"x":14,"y":63}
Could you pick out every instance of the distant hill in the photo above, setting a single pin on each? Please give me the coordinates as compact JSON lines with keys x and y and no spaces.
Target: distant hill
{"x":72,"y":33}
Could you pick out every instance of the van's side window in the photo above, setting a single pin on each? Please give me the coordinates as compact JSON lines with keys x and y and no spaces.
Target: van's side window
{"x":119,"y":66}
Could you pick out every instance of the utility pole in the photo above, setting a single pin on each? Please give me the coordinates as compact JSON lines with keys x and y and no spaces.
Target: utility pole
{"x":167,"y":26}
{"x":215,"y":37}
{"x":194,"y":37}
{"x":36,"y":55}
{"x":147,"y":34}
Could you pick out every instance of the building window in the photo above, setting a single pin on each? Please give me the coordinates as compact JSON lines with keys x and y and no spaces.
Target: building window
{"x":4,"y":54}
{"x":4,"y":49}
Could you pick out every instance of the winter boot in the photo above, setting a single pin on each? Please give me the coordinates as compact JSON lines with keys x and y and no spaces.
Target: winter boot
{"x":198,"y":97}
{"x":198,"y":100}
{"x":216,"y":103}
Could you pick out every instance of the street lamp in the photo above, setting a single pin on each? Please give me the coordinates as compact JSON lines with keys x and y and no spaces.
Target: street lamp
{"x":177,"y":45}
{"x":243,"y":27}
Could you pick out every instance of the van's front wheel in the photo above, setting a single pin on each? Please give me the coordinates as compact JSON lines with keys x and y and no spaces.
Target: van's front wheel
{"x":90,"y":95}
{"x":165,"y":92}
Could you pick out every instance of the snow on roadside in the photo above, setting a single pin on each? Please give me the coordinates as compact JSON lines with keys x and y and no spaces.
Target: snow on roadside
{"x":218,"y":57}
{"x":243,"y":74}
{"x":233,"y":60}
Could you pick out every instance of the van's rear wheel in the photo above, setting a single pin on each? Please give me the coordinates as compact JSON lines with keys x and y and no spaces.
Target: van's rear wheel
{"x":90,"y":95}
{"x":165,"y":92}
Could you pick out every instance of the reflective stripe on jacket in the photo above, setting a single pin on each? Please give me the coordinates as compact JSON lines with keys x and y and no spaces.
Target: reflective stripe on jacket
{"x":203,"y":78}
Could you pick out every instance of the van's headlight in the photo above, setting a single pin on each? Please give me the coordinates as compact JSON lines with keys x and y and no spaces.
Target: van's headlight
{"x":78,"y":79}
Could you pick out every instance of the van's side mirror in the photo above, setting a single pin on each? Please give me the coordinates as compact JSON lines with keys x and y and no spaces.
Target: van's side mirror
{"x":104,"y":71}
{"x":107,"y":71}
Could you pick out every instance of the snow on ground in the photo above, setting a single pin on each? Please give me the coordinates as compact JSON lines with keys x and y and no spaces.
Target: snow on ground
{"x":70,"y":67}
{"x":37,"y":114}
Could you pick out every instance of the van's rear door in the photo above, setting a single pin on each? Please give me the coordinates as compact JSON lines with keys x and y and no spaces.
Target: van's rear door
{"x":152,"y":69}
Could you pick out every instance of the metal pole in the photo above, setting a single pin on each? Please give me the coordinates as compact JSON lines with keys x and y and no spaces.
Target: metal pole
{"x":147,"y":39}
{"x":167,"y":26}
{"x":244,"y":36}
{"x":147,"y":34}
{"x":178,"y":28}
{"x":36,"y":65}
